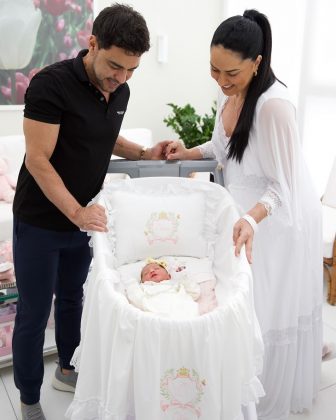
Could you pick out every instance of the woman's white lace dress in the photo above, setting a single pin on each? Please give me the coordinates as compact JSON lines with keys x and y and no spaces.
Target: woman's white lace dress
{"x":287,"y":249}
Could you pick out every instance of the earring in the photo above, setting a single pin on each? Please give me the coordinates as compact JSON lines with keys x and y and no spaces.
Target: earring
{"x":255,"y":73}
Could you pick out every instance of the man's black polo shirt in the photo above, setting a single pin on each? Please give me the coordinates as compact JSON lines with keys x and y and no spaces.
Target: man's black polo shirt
{"x":89,"y":126}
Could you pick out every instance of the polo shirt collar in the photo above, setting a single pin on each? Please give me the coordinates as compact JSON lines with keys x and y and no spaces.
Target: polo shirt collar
{"x":79,"y":66}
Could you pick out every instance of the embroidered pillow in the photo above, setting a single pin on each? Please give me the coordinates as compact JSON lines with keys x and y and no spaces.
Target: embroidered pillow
{"x":151,"y":225}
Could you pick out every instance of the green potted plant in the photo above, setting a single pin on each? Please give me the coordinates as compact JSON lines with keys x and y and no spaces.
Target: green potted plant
{"x":192,"y":128}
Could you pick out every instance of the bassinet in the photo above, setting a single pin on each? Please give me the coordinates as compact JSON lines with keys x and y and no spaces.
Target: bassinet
{"x":134,"y":365}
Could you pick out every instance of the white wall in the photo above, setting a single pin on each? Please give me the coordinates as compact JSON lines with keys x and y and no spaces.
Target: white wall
{"x":287,"y":18}
{"x":303,"y":43}
{"x":185,"y":78}
{"x":11,"y":119}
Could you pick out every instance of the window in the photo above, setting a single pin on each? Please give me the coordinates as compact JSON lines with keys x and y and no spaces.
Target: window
{"x":304,"y":40}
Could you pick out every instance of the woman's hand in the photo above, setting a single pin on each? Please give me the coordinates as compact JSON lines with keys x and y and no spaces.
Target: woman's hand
{"x":243,"y":234}
{"x":158,"y":152}
{"x":176,"y":151}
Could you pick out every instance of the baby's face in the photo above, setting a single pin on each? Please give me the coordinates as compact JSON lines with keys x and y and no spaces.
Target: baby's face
{"x":154,"y":272}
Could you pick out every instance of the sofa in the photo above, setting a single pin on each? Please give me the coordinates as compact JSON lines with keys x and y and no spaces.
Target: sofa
{"x":13,"y":149}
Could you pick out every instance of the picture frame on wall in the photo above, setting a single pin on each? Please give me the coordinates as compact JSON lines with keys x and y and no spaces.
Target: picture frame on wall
{"x":34,"y":34}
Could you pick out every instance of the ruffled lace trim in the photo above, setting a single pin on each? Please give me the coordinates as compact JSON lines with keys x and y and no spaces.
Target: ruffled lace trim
{"x":93,"y":409}
{"x":182,"y":187}
{"x":289,"y":335}
{"x":76,"y":359}
{"x":252,"y":391}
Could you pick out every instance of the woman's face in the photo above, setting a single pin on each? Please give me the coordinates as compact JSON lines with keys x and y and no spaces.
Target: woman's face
{"x":231,"y":72}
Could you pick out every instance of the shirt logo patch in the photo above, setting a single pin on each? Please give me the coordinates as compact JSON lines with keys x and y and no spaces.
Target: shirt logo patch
{"x":120,"y":112}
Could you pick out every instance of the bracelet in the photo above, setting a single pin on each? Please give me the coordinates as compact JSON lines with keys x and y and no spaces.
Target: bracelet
{"x":251,"y":221}
{"x":142,"y":153}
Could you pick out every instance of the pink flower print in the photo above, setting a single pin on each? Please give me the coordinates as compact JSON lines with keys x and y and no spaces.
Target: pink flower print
{"x":7,"y":90}
{"x":89,"y":5}
{"x":164,"y":406}
{"x":83,"y":35}
{"x":89,"y":25}
{"x":32,"y":72}
{"x":73,"y":53}
{"x":55,"y":7}
{"x":67,"y":41}
{"x":22,"y":83}
{"x":60,"y":24}
{"x":62,"y":56}
{"x":82,"y":38}
{"x":75,"y":7}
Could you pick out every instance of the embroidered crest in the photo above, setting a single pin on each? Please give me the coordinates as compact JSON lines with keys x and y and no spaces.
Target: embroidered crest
{"x":162,"y":227}
{"x":181,"y":393}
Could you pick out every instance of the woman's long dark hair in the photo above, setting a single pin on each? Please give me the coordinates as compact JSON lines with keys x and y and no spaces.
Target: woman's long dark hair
{"x":249,"y":35}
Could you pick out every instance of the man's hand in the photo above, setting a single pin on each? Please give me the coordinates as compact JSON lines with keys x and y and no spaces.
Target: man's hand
{"x":91,"y":218}
{"x":157,"y":152}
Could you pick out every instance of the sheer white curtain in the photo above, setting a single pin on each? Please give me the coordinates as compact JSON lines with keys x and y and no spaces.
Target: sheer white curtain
{"x":304,"y":40}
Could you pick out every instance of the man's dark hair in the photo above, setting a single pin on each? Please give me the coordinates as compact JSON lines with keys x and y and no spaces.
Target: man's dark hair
{"x":120,"y":25}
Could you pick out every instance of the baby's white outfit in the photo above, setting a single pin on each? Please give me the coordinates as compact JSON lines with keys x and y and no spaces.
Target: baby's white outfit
{"x":173,"y":298}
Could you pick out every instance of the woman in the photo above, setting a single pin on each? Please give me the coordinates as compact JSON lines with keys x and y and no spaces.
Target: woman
{"x":256,"y":141}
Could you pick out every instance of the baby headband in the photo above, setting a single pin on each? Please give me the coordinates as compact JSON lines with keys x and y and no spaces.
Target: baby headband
{"x":161,"y":263}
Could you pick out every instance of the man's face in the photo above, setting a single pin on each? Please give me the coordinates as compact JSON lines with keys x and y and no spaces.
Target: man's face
{"x":154,"y":272}
{"x":108,"y":69}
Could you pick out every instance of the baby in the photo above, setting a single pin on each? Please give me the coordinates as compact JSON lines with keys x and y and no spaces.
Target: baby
{"x":155,"y":270}
{"x":167,"y":295}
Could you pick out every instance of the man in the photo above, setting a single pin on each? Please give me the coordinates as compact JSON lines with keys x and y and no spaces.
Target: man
{"x":73,"y":113}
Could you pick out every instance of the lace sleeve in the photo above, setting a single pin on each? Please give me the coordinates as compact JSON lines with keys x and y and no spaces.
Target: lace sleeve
{"x":206,"y":150}
{"x":271,"y":200}
{"x":279,"y":152}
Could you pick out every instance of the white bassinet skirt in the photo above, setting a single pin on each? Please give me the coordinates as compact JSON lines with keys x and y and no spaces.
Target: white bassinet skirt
{"x":134,"y":365}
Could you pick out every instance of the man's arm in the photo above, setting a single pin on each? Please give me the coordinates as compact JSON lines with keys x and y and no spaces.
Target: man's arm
{"x":41,"y":139}
{"x":130,"y":150}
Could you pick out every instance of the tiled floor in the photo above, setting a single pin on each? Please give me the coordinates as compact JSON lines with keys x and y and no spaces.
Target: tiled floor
{"x":55,"y":403}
